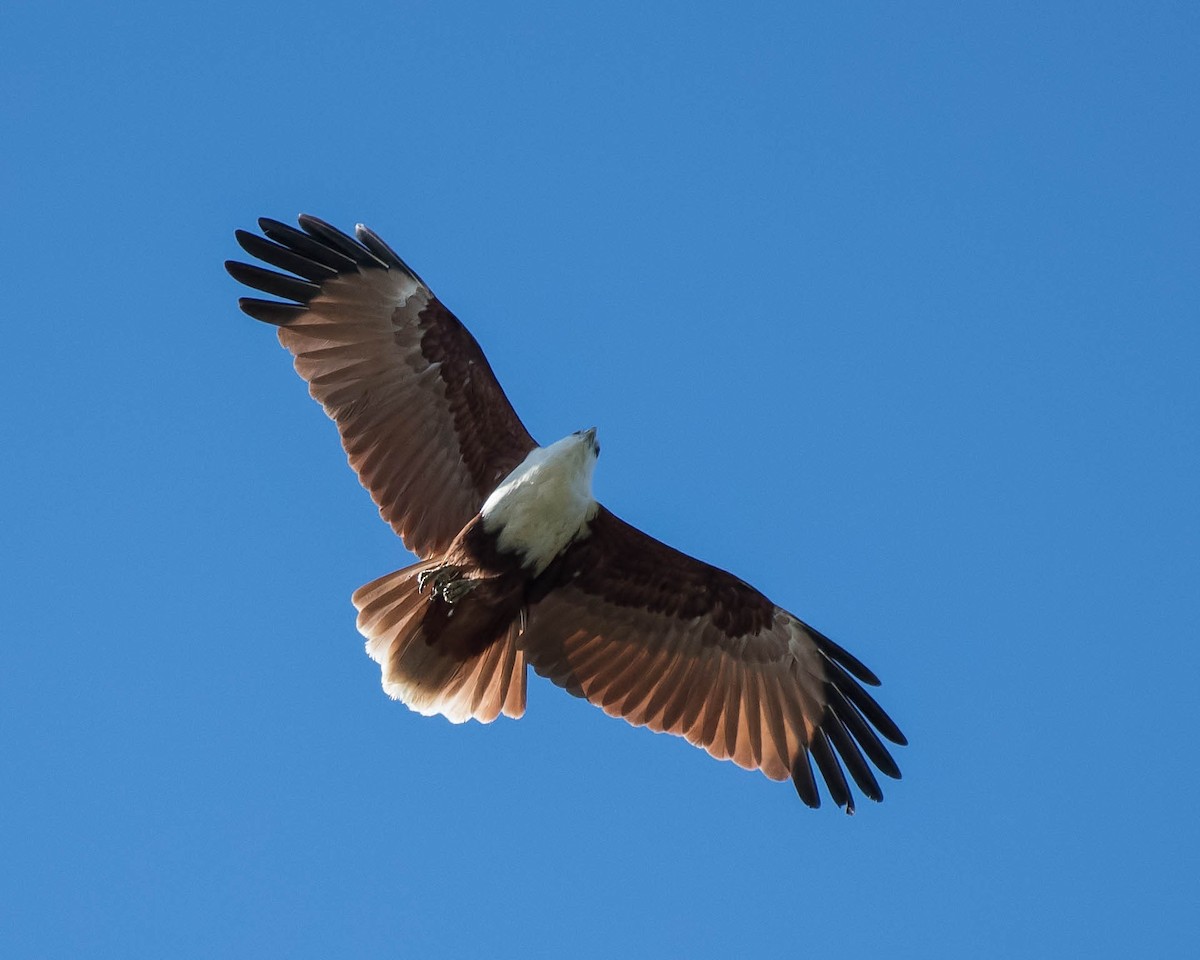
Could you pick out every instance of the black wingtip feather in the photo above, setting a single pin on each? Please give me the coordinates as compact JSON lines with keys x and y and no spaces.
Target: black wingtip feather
{"x":831,"y":771}
{"x":343,"y":243}
{"x":305,"y":245}
{"x":280,"y":256}
{"x":852,"y":757}
{"x":271,"y":311}
{"x":268,"y":281}
{"x":372,"y":241}
{"x":853,"y":721}
{"x":842,"y":656}
{"x":805,"y":782}
{"x":866,"y":703}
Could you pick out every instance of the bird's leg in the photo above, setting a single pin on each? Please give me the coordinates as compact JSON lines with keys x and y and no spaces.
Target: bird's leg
{"x":455,"y":590}
{"x":446,"y":582}
{"x":438,"y":576}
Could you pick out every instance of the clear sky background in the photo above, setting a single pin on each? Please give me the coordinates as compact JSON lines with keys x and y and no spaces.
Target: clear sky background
{"x":892,"y":309}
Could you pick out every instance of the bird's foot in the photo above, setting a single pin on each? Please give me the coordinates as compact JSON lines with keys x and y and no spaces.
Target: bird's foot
{"x":445,"y":582}
{"x":438,"y":576}
{"x":455,"y":590}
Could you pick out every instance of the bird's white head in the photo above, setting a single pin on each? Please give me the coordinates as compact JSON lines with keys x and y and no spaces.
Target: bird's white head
{"x":587,"y":439}
{"x":576,"y":454}
{"x":566,"y":465}
{"x":574,"y":458}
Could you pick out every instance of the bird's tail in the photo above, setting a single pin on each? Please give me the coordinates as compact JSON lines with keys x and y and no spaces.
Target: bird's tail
{"x":479,"y":682}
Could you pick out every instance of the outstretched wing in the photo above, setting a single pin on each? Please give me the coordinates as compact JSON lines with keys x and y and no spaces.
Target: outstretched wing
{"x":423,"y":420}
{"x":666,"y":641}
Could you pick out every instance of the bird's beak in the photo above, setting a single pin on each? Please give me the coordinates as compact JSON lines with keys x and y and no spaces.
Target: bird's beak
{"x":590,"y":434}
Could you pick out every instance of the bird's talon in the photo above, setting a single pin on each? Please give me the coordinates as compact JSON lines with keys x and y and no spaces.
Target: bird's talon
{"x":455,"y":590}
{"x":445,"y":582}
{"x":439,"y":577}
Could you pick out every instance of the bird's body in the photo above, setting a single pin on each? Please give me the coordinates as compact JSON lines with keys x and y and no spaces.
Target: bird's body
{"x":546,"y":502}
{"x":519,"y":564}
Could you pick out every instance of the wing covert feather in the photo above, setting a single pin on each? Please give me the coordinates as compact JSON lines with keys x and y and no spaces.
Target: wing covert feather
{"x":423,"y":420}
{"x":666,"y":641}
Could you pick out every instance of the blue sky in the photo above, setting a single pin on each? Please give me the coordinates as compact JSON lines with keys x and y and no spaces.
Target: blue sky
{"x":892,"y":309}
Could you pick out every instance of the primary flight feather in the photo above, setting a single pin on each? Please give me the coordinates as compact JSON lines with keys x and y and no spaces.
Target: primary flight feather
{"x":519,"y":563}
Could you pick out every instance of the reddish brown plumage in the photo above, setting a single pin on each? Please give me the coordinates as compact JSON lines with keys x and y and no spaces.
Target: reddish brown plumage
{"x":666,"y":641}
{"x":632,"y":625}
{"x":496,"y":599}
{"x":462,"y":661}
{"x":429,"y":454}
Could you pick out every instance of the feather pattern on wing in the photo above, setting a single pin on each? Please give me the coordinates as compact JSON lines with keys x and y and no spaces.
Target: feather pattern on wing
{"x":666,"y":641}
{"x":637,"y":628}
{"x":422,"y":418}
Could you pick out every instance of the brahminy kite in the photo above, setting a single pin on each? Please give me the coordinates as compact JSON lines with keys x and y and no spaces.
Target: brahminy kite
{"x":518,"y":562}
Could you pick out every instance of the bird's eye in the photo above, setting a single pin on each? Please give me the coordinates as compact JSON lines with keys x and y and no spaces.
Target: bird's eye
{"x":596,"y":446}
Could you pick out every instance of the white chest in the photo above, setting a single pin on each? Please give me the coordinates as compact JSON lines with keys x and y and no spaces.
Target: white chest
{"x":542,"y":505}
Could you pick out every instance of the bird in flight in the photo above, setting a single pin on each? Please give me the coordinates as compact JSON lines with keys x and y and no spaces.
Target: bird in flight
{"x":518,"y":562}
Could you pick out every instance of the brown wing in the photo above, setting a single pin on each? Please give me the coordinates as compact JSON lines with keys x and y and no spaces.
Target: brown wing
{"x":666,"y":641}
{"x":423,"y":420}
